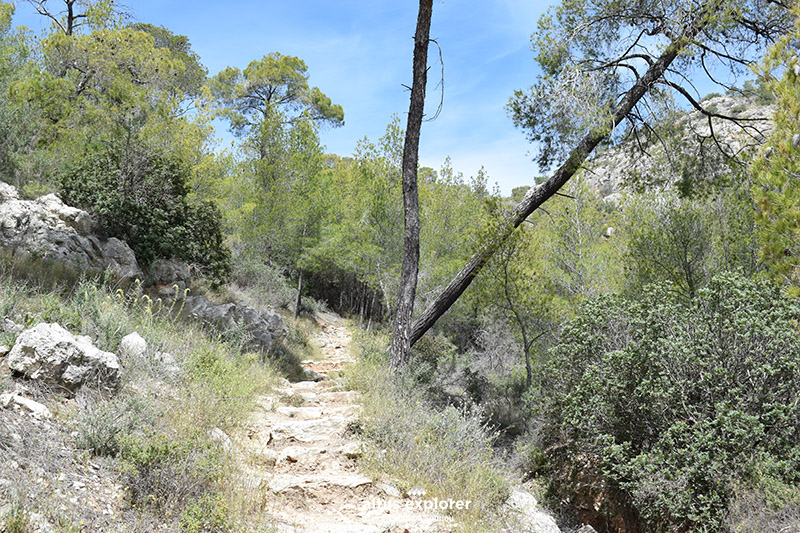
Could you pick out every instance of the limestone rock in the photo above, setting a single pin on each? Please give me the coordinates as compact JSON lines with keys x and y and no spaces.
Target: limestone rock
{"x":53,"y":231}
{"x":310,"y":430}
{"x":389,"y":489}
{"x":346,"y":480}
{"x":266,"y":457}
{"x":352,"y":450}
{"x":266,"y":327}
{"x":49,"y":353}
{"x":9,"y":326}
{"x":132,"y":346}
{"x":222,"y":438}
{"x":169,"y":271}
{"x":38,"y":410}
{"x":300,"y":413}
{"x":617,"y":168}
{"x":293,"y":454}
{"x":531,"y":518}
{"x":310,"y":375}
{"x":8,"y":192}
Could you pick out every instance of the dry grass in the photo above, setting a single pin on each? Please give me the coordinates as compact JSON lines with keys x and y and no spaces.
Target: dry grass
{"x":447,"y":452}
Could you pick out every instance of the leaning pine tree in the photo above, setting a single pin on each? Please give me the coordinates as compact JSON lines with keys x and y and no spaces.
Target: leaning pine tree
{"x":604,"y":64}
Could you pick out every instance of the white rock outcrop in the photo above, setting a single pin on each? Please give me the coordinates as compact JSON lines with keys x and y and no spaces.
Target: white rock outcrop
{"x":51,"y":354}
{"x":49,"y":229}
{"x":614,"y":170}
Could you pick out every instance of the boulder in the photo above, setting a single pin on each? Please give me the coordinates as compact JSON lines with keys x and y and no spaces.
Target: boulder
{"x":532,"y":519}
{"x":169,"y":272}
{"x":51,"y":354}
{"x":266,"y":327}
{"x":53,"y":231}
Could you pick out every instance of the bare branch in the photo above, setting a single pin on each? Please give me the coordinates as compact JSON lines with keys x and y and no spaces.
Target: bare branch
{"x":438,"y":85}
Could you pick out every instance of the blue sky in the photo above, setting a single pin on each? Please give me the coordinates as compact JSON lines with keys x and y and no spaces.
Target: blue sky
{"x":359,"y":53}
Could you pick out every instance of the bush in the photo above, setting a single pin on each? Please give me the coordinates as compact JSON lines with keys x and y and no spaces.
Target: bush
{"x":165,"y":474}
{"x":675,"y":403}
{"x":101,"y":427}
{"x":209,"y":513}
{"x":141,"y":198}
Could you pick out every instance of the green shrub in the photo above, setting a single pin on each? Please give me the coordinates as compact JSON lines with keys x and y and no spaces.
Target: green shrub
{"x":253,"y":272}
{"x":676,"y":402}
{"x":101,"y":428}
{"x":16,"y":520}
{"x":141,"y":198}
{"x":165,"y":473}
{"x":208,"y":514}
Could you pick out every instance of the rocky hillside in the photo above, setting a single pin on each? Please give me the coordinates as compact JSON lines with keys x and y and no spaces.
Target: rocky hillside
{"x":684,"y":148}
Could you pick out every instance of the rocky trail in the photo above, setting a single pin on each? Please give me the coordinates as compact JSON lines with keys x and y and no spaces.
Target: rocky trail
{"x":299,"y":453}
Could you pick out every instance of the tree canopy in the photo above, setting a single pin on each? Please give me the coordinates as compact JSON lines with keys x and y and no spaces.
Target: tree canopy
{"x":247,"y":97}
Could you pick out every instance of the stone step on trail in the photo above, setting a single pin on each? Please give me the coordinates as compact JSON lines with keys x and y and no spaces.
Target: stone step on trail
{"x":300,"y":413}
{"x":310,"y":482}
{"x":310,"y":430}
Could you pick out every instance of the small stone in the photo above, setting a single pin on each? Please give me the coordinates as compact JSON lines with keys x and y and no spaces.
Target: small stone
{"x":4,"y":350}
{"x":221,"y":438}
{"x":352,"y":450}
{"x":311,"y":375}
{"x":266,"y":457}
{"x":38,"y":410}
{"x":795,"y":140}
{"x":132,"y":345}
{"x":8,"y":325}
{"x":389,"y":490}
{"x":293,"y":454}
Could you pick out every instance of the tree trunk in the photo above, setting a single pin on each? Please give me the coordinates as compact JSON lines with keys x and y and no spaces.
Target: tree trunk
{"x":362,"y":306}
{"x":370,"y":310}
{"x":401,"y":345}
{"x":299,"y":291}
{"x":537,"y":195}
